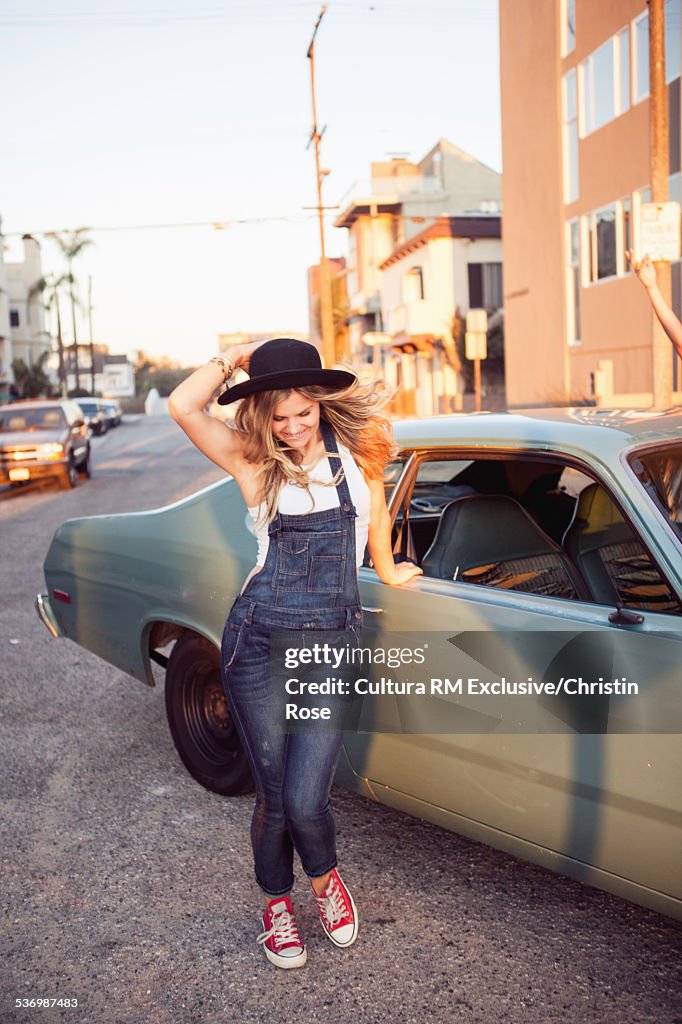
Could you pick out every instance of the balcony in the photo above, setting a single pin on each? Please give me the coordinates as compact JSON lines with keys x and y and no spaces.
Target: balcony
{"x":414,"y":318}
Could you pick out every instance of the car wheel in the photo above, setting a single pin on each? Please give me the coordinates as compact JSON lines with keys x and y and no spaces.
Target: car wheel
{"x":200,"y":721}
{"x":69,"y":477}
{"x":86,"y":466}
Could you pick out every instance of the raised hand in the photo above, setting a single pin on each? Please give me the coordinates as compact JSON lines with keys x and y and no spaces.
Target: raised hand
{"x":644,"y":269}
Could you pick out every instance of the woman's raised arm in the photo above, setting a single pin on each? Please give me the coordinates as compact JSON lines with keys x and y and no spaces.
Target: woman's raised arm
{"x":211,"y":436}
{"x":645,"y":271}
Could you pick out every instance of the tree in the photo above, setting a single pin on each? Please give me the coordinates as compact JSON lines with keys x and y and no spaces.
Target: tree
{"x":163,"y":374}
{"x":72,"y":245}
{"x":31,"y":381}
{"x":51,"y":286}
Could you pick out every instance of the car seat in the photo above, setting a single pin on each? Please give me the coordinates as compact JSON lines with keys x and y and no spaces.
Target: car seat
{"x":611,"y":558}
{"x":491,"y":540}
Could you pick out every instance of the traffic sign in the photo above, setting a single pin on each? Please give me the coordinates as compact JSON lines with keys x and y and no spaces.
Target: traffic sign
{"x":660,"y":231}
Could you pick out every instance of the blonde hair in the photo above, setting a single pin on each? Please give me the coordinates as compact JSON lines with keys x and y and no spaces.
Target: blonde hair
{"x":355,"y":413}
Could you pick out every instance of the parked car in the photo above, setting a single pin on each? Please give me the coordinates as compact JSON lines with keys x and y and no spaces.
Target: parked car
{"x":94,"y":413}
{"x":40,"y":439}
{"x":112,"y":412}
{"x":525,"y":525}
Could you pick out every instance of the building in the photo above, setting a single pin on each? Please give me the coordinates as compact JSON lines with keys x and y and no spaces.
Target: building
{"x":23,"y":333}
{"x":114,"y":374}
{"x":575,"y":138}
{"x":433,"y":278}
{"x":6,"y":376}
{"x":400,"y":200}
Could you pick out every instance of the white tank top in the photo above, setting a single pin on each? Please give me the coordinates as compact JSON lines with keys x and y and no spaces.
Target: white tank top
{"x":295,"y":501}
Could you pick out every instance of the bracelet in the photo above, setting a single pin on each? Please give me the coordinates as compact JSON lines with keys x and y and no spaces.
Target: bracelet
{"x":225,"y":365}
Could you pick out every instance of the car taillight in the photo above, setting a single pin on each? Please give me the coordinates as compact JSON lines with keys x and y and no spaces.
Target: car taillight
{"x":61,"y":595}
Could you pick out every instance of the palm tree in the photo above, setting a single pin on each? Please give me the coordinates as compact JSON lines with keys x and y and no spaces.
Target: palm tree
{"x":71,"y":246}
{"x":31,"y":381}
{"x":52,"y":285}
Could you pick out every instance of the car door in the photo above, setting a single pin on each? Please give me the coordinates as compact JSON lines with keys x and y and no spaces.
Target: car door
{"x":576,"y":775}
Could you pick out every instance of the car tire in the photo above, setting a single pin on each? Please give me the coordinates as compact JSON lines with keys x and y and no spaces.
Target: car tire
{"x":200,"y":721}
{"x":86,"y":466}
{"x":69,"y":477}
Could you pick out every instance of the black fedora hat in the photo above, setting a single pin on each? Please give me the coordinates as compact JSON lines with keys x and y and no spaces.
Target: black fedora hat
{"x":285,"y":363}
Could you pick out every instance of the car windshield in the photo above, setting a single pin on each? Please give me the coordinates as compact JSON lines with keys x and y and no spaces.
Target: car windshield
{"x":31,"y":419}
{"x":90,"y":408}
{"x":660,"y":474}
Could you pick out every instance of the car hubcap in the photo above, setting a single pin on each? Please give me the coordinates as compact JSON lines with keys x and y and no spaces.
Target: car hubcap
{"x":208,"y":717}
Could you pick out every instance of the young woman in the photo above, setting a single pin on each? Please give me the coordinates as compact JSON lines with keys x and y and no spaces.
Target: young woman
{"x":307,"y":448}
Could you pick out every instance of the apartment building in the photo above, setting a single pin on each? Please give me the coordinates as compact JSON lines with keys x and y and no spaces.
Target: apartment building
{"x":400,"y":200}
{"x":23,"y":333}
{"x":575,"y":139}
{"x":6,"y":377}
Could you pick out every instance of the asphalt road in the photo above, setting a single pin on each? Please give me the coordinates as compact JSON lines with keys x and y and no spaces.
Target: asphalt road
{"x":128,"y":887}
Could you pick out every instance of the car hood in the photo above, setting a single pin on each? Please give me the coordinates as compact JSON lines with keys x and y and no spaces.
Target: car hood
{"x":29,"y":438}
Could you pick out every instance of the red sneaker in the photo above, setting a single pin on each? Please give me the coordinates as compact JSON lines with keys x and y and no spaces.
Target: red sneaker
{"x":338,"y":913}
{"x":281,"y":940}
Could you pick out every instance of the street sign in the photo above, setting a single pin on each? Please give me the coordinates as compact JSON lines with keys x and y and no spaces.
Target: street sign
{"x":660,"y":231}
{"x":475,"y":345}
{"x":477,"y":321}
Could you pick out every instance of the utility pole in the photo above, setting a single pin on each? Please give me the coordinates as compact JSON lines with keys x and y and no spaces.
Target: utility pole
{"x":92,"y":347}
{"x":662,"y":367}
{"x":326,"y":315}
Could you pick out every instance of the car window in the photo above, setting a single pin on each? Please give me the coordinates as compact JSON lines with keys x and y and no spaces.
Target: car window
{"x":534,"y":525}
{"x":392,"y":473}
{"x":31,"y":419}
{"x":660,"y":473}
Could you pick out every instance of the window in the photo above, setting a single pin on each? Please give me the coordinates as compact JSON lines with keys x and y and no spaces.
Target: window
{"x":413,"y":285}
{"x":533,"y":525}
{"x":672,"y":39}
{"x":626,"y":205}
{"x":640,"y":31}
{"x":573,"y":281}
{"x":660,"y":474}
{"x":567,"y":27}
{"x":605,"y":83}
{"x":570,"y":131}
{"x":602,"y":243}
{"x":623,"y":49}
{"x":14,"y":317}
{"x":485,"y":285}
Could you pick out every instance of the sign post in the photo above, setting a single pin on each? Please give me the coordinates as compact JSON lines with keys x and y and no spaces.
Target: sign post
{"x":476,"y":346}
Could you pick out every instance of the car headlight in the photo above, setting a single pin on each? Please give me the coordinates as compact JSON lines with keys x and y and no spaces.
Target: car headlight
{"x":51,"y":450}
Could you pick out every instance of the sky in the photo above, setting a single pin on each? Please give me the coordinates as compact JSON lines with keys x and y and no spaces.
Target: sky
{"x":136,"y":117}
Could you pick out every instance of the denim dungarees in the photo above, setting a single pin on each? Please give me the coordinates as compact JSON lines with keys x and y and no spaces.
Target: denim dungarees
{"x":308,"y":582}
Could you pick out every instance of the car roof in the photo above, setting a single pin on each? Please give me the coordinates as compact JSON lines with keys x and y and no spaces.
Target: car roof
{"x":35,"y":403}
{"x":581,"y":428}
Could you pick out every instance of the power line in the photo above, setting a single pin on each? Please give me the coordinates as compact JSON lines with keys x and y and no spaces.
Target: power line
{"x":218,"y":225}
{"x":225,"y":225}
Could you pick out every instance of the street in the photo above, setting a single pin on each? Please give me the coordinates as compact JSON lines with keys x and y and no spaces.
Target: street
{"x":130,"y":888}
